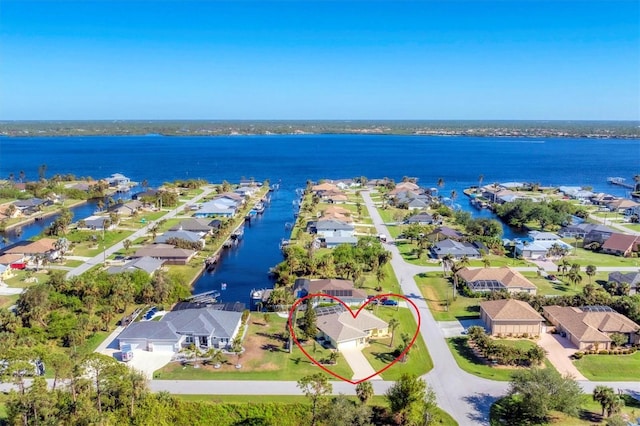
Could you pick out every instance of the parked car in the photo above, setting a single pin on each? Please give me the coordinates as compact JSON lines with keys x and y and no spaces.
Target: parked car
{"x":552,"y":277}
{"x":389,"y":302}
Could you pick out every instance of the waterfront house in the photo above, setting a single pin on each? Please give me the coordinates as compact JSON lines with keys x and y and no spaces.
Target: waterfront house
{"x":334,"y":228}
{"x":454,"y":248}
{"x":632,"y":211}
{"x":217,"y":208}
{"x":496,"y":279}
{"x":531,"y":250}
{"x":170,"y":254}
{"x":202,"y":226}
{"x":130,"y":208}
{"x":146,"y":264}
{"x":203,"y":327}
{"x":96,"y":223}
{"x":246,"y":191}
{"x":576,"y":192}
{"x":631,"y":278}
{"x":510,"y":317}
{"x":149,"y":194}
{"x":118,"y":179}
{"x":621,"y":244}
{"x":32,"y":205}
{"x":344,"y":289}
{"x":188,"y":236}
{"x":334,"y":197}
{"x":337,"y":213}
{"x":581,"y":230}
{"x":32,"y":249}
{"x":340,"y":330}
{"x":13,"y":260}
{"x":621,"y":205}
{"x":324,"y":187}
{"x":590,"y":327}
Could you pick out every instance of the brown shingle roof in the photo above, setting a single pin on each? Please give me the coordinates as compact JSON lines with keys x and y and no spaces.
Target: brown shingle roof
{"x":330,"y":285}
{"x":621,"y":242}
{"x":43,"y":245}
{"x":510,"y":278}
{"x":590,"y":326}
{"x":510,"y":309}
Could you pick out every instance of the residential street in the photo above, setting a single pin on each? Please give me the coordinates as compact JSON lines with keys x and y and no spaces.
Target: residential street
{"x":99,"y":259}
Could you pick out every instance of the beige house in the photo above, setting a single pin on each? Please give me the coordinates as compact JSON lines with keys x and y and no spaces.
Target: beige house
{"x":509,"y":316}
{"x":496,"y":279}
{"x":589,"y":327}
{"x":342,"y":331}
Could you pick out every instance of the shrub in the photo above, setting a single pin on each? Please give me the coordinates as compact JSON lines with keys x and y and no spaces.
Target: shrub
{"x":578,"y":355}
{"x":603,"y":352}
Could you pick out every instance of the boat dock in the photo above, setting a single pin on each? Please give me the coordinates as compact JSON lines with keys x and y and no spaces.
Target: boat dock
{"x":206,"y":297}
{"x":620,"y":182}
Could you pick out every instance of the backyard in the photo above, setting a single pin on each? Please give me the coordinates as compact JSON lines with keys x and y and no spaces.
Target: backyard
{"x":610,"y":367}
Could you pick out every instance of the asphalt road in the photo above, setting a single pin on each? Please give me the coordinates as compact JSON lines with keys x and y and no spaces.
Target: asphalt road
{"x":99,"y":259}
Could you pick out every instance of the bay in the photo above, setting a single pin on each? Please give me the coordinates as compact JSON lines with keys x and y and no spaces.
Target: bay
{"x":292,"y":160}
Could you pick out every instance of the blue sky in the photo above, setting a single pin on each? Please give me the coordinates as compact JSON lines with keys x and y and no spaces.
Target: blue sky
{"x":569,"y":60}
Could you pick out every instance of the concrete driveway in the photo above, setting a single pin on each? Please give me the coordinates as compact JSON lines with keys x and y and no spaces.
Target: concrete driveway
{"x":359,"y":364}
{"x":144,"y":361}
{"x":456,"y":328}
{"x":559,"y":351}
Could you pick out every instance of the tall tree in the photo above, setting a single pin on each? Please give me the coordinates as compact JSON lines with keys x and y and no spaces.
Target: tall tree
{"x":315,"y":387}
{"x":590,"y":270}
{"x":410,"y":400}
{"x":393,"y":324}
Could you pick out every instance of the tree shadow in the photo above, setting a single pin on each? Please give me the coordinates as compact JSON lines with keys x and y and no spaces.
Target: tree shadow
{"x":589,"y":416}
{"x":386,"y":357}
{"x":481,"y":404}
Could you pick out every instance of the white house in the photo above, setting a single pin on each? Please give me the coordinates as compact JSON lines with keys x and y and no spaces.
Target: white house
{"x":342,"y":331}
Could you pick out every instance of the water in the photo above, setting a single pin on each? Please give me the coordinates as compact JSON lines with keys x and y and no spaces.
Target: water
{"x":295,"y":159}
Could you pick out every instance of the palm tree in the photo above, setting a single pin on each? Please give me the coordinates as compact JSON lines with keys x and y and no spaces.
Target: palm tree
{"x":447,"y":262}
{"x":486,"y":262}
{"x":603,"y":394}
{"x":564,"y":266}
{"x":364,"y":390}
{"x":574,"y":276}
{"x":590,"y":270}
{"x":393,"y":324}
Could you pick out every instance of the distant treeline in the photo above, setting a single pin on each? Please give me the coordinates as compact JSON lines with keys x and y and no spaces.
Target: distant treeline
{"x":589,"y":129}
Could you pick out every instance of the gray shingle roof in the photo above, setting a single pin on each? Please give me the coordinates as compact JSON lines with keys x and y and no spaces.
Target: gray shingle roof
{"x":146,"y":263}
{"x":204,"y":321}
{"x":189,"y":236}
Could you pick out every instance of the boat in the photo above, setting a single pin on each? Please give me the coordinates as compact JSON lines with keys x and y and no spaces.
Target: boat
{"x":223,"y":286}
{"x":211,"y":262}
{"x":238,"y":233}
{"x":258,"y":208}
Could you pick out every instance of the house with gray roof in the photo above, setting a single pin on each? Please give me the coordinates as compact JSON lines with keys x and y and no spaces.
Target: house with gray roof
{"x":202,"y":226}
{"x":631,"y":278}
{"x":444,"y":232}
{"x":204,"y":327}
{"x":170,"y":254}
{"x":188,"y":236}
{"x":454,"y":248}
{"x":583,"y":229}
{"x":224,"y":207}
{"x":146,"y":264}
{"x":334,"y":228}
{"x":96,"y":223}
{"x":420,"y":219}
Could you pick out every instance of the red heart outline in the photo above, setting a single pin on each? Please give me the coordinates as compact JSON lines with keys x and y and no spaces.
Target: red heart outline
{"x":337,"y":299}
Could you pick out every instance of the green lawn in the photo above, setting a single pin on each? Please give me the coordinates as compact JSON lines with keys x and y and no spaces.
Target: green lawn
{"x":587,"y":257}
{"x":548,"y":288}
{"x":498,"y":261}
{"x":468,"y":361}
{"x":85,"y":245}
{"x":265,"y":359}
{"x":610,"y":367}
{"x":437,"y":292}
{"x":6,"y":301}
{"x":632,"y":226}
{"x":389,"y":284}
{"x":380,"y":354}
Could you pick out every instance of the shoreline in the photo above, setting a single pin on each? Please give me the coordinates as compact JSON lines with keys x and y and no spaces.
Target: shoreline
{"x":30,"y":220}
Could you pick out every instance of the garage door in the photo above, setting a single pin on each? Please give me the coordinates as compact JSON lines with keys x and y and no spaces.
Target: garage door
{"x":347,"y":345}
{"x":161,"y":348}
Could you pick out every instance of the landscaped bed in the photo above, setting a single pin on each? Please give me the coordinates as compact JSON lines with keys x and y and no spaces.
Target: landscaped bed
{"x":472,"y":364}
